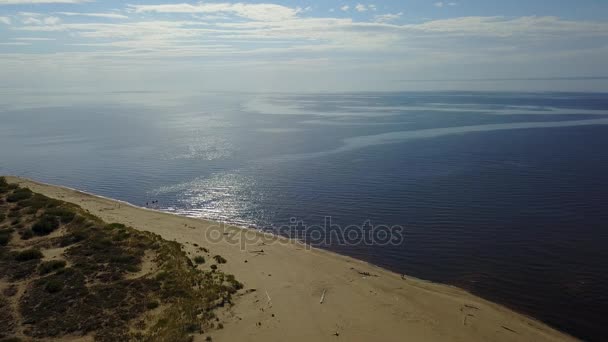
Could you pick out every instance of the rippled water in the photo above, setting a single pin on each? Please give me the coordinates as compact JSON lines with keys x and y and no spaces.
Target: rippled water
{"x":503,"y":194}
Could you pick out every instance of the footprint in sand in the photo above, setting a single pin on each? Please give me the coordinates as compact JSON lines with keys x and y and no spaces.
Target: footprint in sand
{"x":469,"y":314}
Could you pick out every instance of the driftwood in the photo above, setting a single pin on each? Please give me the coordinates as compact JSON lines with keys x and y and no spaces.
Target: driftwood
{"x":367,"y":274}
{"x":509,"y":329}
{"x":322,"y":297}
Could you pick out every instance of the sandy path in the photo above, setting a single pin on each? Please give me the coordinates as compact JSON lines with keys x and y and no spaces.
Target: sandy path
{"x":383,"y":307}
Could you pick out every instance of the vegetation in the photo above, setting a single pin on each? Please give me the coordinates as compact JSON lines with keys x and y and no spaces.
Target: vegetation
{"x":96,"y":284}
{"x":5,"y":236}
{"x":19,"y":195}
{"x":219,"y":259}
{"x":28,"y":254}
{"x":199,"y":259}
{"x":51,"y":266}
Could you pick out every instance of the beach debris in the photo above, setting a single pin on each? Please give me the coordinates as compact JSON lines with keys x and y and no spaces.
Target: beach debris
{"x":363,"y":273}
{"x":322,"y":297}
{"x":336,"y":334}
{"x":509,"y":329}
{"x":267,"y":295}
{"x":261,"y":251}
{"x":471,"y":306}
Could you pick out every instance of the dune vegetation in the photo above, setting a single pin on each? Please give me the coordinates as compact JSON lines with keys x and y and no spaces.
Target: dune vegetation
{"x":66,"y":273}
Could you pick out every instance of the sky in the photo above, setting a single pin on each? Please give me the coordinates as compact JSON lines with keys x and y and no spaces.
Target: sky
{"x":304,"y":46}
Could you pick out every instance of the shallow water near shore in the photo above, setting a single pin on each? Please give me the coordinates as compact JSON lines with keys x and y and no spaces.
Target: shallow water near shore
{"x":502,"y":194}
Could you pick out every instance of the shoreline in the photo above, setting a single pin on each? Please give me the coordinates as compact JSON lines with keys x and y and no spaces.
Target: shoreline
{"x":361,"y":301}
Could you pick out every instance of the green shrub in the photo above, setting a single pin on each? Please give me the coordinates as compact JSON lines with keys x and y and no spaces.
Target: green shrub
{"x":19,"y":195}
{"x":5,"y":237}
{"x":28,"y":254}
{"x":64,"y":215}
{"x":53,"y":286}
{"x":152,"y":305}
{"x":199,"y":259}
{"x":46,"y":225}
{"x":3,"y":185}
{"x":38,"y":201}
{"x":50,"y":266}
{"x":219,"y":259}
{"x":112,"y":226}
{"x":27,"y":234}
{"x":11,"y":339}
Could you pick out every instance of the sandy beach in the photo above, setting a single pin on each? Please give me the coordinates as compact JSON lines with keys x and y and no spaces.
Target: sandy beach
{"x":304,"y":294}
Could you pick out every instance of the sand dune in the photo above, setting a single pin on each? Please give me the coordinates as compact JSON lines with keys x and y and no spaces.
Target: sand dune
{"x":361,"y":302}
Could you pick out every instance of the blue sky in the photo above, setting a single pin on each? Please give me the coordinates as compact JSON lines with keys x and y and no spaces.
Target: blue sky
{"x":305,"y":45}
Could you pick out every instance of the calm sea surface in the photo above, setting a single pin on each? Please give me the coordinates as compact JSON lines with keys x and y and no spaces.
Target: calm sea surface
{"x":503,"y":194}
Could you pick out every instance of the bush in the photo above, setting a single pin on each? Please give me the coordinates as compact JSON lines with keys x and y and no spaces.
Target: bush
{"x":28,"y":254}
{"x":27,"y":234}
{"x":3,"y":185}
{"x":5,"y":237}
{"x":46,"y":225}
{"x":64,"y":215}
{"x":19,"y":195}
{"x":219,"y":259}
{"x":152,"y":305}
{"x":51,"y":266}
{"x":11,"y":339}
{"x":53,"y":286}
{"x":38,"y":201}
{"x":199,"y":259}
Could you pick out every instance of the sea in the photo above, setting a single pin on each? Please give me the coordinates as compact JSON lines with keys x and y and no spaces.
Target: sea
{"x":503,"y":194}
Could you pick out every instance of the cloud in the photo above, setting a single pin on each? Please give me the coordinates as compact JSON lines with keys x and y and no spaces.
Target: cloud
{"x":27,"y":2}
{"x":532,"y":27}
{"x":38,"y":20}
{"x":385,"y":18}
{"x":360,"y":8}
{"x":259,"y":12}
{"x":5,"y":20}
{"x":96,"y":15}
{"x":33,"y":39}
{"x":271,"y":36}
{"x":442,"y":4}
